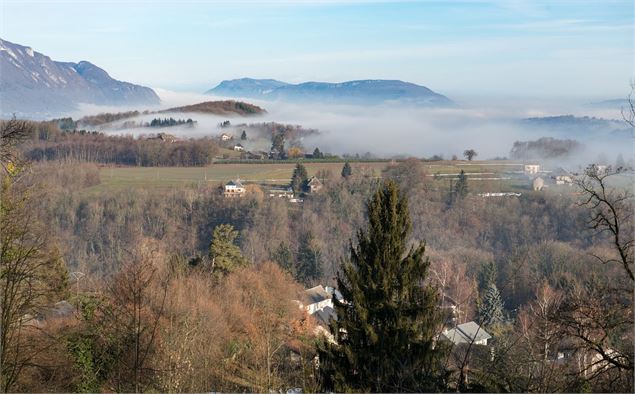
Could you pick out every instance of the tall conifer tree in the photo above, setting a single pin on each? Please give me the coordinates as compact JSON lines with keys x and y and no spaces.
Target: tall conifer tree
{"x":387,"y":323}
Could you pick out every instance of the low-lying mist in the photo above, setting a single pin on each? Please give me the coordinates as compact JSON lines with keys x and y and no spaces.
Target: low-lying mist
{"x":394,"y":131}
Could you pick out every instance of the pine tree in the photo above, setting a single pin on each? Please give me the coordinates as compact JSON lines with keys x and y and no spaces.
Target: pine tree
{"x":224,"y":255}
{"x":277,"y":144}
{"x":309,"y":268}
{"x":299,"y":178}
{"x":243,"y":136}
{"x":490,"y":310}
{"x":282,"y":256}
{"x":460,"y":188}
{"x":317,"y":154}
{"x":347,"y":170}
{"x":487,"y":276}
{"x":389,"y":318}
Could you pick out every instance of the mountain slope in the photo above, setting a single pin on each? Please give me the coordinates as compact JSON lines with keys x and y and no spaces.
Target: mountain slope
{"x":247,"y":87}
{"x":369,"y":91}
{"x":575,"y":126}
{"x":32,"y":84}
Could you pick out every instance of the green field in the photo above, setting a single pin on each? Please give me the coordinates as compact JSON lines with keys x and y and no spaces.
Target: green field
{"x":280,"y":174}
{"x":168,"y":177}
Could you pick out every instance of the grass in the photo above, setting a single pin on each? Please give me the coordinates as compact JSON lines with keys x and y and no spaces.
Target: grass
{"x":170,"y":177}
{"x":275,"y":173}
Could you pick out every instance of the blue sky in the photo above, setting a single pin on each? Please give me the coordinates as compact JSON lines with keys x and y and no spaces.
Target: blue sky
{"x":515,"y":48}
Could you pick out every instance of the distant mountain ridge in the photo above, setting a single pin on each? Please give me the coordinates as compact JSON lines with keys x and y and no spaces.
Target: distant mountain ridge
{"x":578,"y":126}
{"x":31,"y":84}
{"x":367,"y":91}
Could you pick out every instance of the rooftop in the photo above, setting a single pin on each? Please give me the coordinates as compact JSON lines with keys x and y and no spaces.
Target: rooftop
{"x":467,"y":333}
{"x":317,"y":294}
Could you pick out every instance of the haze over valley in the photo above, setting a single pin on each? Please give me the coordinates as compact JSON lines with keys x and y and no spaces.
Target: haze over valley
{"x":317,"y":196}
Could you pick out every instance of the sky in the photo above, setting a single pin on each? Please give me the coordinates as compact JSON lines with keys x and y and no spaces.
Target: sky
{"x":574,"y":49}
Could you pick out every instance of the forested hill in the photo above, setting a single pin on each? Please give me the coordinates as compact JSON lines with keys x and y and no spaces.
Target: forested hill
{"x":225,"y":108}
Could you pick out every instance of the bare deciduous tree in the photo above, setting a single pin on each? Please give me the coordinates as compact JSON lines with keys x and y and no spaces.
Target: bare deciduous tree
{"x":611,"y":212}
{"x":628,"y":113}
{"x":32,"y":274}
{"x":12,"y":133}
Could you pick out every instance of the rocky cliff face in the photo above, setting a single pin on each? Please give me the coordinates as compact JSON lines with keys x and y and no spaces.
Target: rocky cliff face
{"x":33,"y":85}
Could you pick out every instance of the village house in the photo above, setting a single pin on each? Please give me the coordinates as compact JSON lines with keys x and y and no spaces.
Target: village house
{"x":234,"y":189}
{"x":225,"y":137}
{"x":281,"y":192}
{"x":320,"y":304}
{"x":564,"y":180}
{"x":532,"y":169}
{"x":467,"y":333}
{"x":314,"y":185}
{"x":257,"y":155}
{"x":239,"y":148}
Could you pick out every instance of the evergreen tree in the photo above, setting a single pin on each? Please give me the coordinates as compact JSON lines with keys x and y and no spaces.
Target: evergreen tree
{"x":282,"y":255}
{"x":487,"y":276}
{"x":224,"y":255}
{"x":277,"y":144}
{"x":299,"y":178}
{"x":347,"y":170}
{"x":309,"y":268}
{"x":460,"y":188}
{"x":491,"y":307}
{"x":317,"y":154}
{"x":387,"y":323}
{"x":243,"y":136}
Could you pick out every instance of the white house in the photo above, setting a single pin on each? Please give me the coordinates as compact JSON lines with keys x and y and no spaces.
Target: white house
{"x":234,"y":189}
{"x":467,"y":333}
{"x":318,"y":299}
{"x":225,"y":137}
{"x":314,"y":185}
{"x":564,"y":180}
{"x":239,"y":148}
{"x":282,"y":192}
{"x":532,"y":168}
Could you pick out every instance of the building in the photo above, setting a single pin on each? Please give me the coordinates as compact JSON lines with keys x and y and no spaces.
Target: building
{"x":532,"y":168}
{"x":467,"y":333}
{"x":225,"y":137}
{"x":314,"y":185}
{"x":564,"y":180}
{"x":318,"y":299}
{"x":234,"y":189}
{"x":285,"y":192}
{"x":239,"y":148}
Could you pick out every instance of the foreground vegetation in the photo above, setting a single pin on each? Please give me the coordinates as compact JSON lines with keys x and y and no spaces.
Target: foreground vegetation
{"x":180,"y":289}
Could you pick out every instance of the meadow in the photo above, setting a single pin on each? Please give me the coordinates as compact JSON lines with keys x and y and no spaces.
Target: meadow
{"x":491,"y":176}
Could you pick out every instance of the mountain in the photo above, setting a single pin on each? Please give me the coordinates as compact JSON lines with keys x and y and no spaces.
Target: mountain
{"x":247,"y":87}
{"x":33,"y":85}
{"x":611,"y":104}
{"x":369,"y":91}
{"x":577,"y":126}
